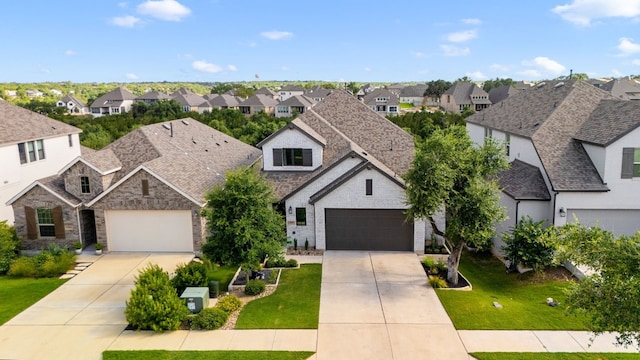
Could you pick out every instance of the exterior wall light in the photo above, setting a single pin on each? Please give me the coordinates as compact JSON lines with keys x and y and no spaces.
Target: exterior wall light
{"x":290,"y":210}
{"x":563,"y":212}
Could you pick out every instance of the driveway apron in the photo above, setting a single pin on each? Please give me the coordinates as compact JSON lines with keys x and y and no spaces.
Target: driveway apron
{"x":377,"y":305}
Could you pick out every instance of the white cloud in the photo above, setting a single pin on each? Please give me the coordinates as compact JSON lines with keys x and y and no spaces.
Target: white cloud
{"x":582,"y":12}
{"x":232,"y":68}
{"x":636,"y":62}
{"x":472,"y":21}
{"x":530,"y":74}
{"x":616,"y":73}
{"x":499,"y":67}
{"x":462,"y":36}
{"x":477,"y":75}
{"x":125,"y":21}
{"x":204,"y":66}
{"x":70,"y":52}
{"x":628,"y":47}
{"x":545,"y":66}
{"x":450,"y":50}
{"x":123,"y":5}
{"x":276,"y":35}
{"x":131,"y":76}
{"x":169,"y":10}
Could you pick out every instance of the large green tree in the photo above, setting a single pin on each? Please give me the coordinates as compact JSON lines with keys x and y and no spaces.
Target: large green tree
{"x":450,"y":173}
{"x":244,"y":225}
{"x":610,"y":296}
{"x":436,"y":88}
{"x":490,"y":84}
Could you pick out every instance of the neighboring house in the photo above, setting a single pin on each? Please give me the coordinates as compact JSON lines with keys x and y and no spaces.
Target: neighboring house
{"x":74,"y":105}
{"x":143,"y":192}
{"x":413,"y":94}
{"x":500,"y":93}
{"x":294,"y":105}
{"x":192,"y":102}
{"x":266,"y":91}
{"x":224,"y":101}
{"x":464,"y":95}
{"x":34,"y":93}
{"x":114,"y":102}
{"x":32,"y":146}
{"x":574,"y":153}
{"x":364,"y":90}
{"x":395,"y":88}
{"x":11,"y":93}
{"x":55,"y":92}
{"x":258,"y":103}
{"x":337,"y":170}
{"x":288,"y":91}
{"x":317,"y":93}
{"x":382,"y":101}
{"x":624,"y":88}
{"x":150,"y":97}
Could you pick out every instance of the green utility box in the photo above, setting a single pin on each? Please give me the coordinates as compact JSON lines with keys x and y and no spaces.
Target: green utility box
{"x":196,"y":298}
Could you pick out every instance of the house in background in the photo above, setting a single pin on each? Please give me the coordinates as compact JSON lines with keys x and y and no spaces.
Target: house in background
{"x":464,"y":95}
{"x":150,"y":97}
{"x":337,"y":171}
{"x":32,"y":146}
{"x":143,"y":192}
{"x":258,"y":103}
{"x":224,"y":101}
{"x":574,"y":153}
{"x":74,"y":105}
{"x":317,"y":93}
{"x":500,"y":93}
{"x":294,"y":105}
{"x":383,"y":102}
{"x":114,"y":102}
{"x":192,"y":102}
{"x":288,"y":91}
{"x":266,"y":91}
{"x":413,"y":94}
{"x":624,"y":88}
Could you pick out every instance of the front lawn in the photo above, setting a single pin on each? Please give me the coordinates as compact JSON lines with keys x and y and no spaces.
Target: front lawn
{"x":294,"y":305}
{"x":554,"y":356}
{"x":18,"y":294}
{"x":223,"y":275}
{"x":523,"y":297}
{"x":202,"y":355}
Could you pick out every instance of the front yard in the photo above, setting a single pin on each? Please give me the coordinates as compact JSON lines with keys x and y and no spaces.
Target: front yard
{"x":523,"y":297}
{"x":208,"y":355}
{"x":19,"y":294}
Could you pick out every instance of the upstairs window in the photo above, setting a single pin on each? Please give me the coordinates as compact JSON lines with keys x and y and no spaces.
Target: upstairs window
{"x":488,"y":132}
{"x":84,"y":185}
{"x":31,"y":151}
{"x":630,"y":163}
{"x":292,"y":157}
{"x":145,"y":187}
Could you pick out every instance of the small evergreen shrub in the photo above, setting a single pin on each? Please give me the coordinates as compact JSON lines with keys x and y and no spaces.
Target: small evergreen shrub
{"x":214,"y":288}
{"x":273,"y":277}
{"x":9,"y":245}
{"x":437,"y":282}
{"x":295,"y":244}
{"x":528,"y":244}
{"x":428,"y":262}
{"x":187,"y":275}
{"x":209,"y":319}
{"x":229,"y":304}
{"x":291,"y":263}
{"x":306,"y":244}
{"x":254,"y":287}
{"x":275,"y":262}
{"x":23,"y":267}
{"x":154,"y":304}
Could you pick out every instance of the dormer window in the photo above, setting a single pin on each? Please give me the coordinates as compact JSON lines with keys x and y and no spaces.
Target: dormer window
{"x":292,"y":157}
{"x":85,"y":187}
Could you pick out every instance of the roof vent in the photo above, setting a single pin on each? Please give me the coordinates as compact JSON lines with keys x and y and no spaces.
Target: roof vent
{"x":560,"y":84}
{"x":218,"y":144}
{"x":226,"y":141}
{"x":364,"y":153}
{"x":185,"y":122}
{"x":193,"y":140}
{"x":541,"y":84}
{"x":536,"y":124}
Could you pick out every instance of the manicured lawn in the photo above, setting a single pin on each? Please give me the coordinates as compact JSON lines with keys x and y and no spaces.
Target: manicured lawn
{"x":294,"y":305}
{"x":224,"y":275}
{"x":523,"y":297}
{"x":18,"y":294}
{"x":208,"y":355}
{"x":554,"y":356}
{"x":406,"y":105}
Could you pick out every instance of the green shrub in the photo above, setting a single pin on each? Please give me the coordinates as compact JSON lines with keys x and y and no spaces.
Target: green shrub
{"x":229,"y":304}
{"x":441,"y":266}
{"x":154,"y":304}
{"x":254,"y":287}
{"x":278,"y":261}
{"x":306,"y":244}
{"x":528,"y":244}
{"x":273,"y":277}
{"x":291,"y":263}
{"x":56,"y":250}
{"x":214,"y":288}
{"x":209,"y":319}
{"x":191,"y":274}
{"x":437,"y":282}
{"x":57,"y":266}
{"x":428,"y":262}
{"x":295,"y":244}
{"x":9,"y":245}
{"x":23,"y":267}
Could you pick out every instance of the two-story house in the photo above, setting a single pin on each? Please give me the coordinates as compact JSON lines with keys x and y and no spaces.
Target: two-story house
{"x":464,"y":95}
{"x":288,"y":91}
{"x":74,"y":105}
{"x":143,"y":192}
{"x":574,"y":153}
{"x":114,"y":102}
{"x":150,"y":97}
{"x":32,"y":146}
{"x":382,"y":101}
{"x":413,"y":94}
{"x":337,"y":169}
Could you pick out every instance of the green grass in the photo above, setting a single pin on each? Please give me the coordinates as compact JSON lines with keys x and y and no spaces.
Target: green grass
{"x":223,"y":275}
{"x":294,"y":305}
{"x":208,"y":355}
{"x":554,"y":356}
{"x":522,"y":295}
{"x":406,"y":105}
{"x":18,"y":294}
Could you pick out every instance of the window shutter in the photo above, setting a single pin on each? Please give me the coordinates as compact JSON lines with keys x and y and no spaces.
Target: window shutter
{"x":277,"y":157}
{"x":307,"y":158}
{"x":32,"y":227}
{"x":58,"y":222}
{"x":627,"y":163}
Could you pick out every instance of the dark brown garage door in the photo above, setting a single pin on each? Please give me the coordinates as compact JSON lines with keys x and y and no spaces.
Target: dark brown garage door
{"x":368,"y":229}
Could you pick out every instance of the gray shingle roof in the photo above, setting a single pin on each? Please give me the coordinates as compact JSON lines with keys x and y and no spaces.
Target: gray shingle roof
{"x":115,"y":96}
{"x":292,"y":88}
{"x":154,"y":95}
{"x":69,"y":98}
{"x":523,"y":182}
{"x":462,"y":91}
{"x":265,"y":91}
{"x":413,"y":90}
{"x":502,"y":92}
{"x":18,"y":125}
{"x":260,"y":100}
{"x":223,"y":100}
{"x":370,"y":98}
{"x":298,"y":100}
{"x":611,"y":120}
{"x":104,"y":160}
{"x":190,"y":99}
{"x":550,"y":115}
{"x":623,"y":88}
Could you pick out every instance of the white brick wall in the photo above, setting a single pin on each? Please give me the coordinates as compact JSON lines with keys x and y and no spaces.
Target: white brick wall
{"x":293,"y":139}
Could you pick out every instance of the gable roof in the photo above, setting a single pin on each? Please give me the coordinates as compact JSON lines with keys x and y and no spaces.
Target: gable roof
{"x":550,"y":114}
{"x":260,"y":100}
{"x":523,"y":182}
{"x":291,"y":87}
{"x":53,"y":185}
{"x":190,"y":99}
{"x":413,"y":90}
{"x":623,"y":88}
{"x":69,"y":98}
{"x":223,"y":100}
{"x":18,"y":124}
{"x":113,"y":97}
{"x":371,"y":97}
{"x":154,"y":95}
{"x":265,"y":91}
{"x":611,"y":120}
{"x":298,"y":100}
{"x":502,"y":92}
{"x":463,"y":91}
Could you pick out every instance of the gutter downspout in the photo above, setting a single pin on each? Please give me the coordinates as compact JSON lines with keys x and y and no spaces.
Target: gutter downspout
{"x":517,"y":206}
{"x":553,"y":214}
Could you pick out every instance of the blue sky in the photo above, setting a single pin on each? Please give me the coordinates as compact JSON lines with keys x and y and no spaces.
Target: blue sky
{"x":357,"y":40}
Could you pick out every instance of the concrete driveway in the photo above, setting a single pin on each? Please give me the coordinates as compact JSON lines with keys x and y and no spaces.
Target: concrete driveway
{"x":84,"y":316}
{"x":377,"y":305}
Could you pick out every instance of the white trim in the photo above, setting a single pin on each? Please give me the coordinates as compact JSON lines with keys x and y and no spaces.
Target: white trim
{"x":133,"y":172}
{"x":79,"y":158}
{"x":38,"y":183}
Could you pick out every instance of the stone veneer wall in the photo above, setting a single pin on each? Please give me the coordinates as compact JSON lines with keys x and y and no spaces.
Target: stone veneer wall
{"x":72,"y":181}
{"x":128,"y":196}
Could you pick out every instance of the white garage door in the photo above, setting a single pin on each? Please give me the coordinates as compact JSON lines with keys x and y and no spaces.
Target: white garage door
{"x":149,"y":230}
{"x":619,"y":222}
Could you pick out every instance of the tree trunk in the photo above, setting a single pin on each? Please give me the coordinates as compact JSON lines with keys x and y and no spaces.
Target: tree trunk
{"x":454,"y":261}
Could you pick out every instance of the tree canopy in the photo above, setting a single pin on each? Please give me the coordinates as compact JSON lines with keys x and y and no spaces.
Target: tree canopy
{"x":436,"y":88}
{"x":449,"y":173}
{"x":497,"y":82}
{"x":243,"y":224}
